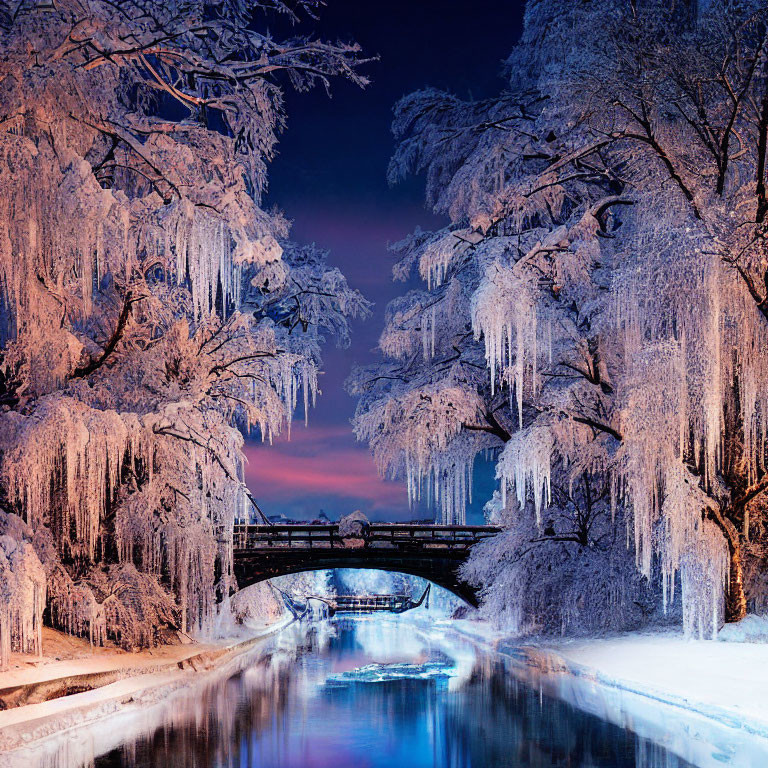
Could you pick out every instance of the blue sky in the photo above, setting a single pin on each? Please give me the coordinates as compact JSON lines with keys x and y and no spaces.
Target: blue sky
{"x":329,"y":178}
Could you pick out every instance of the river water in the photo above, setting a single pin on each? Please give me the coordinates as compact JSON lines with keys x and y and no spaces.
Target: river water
{"x":377,"y":691}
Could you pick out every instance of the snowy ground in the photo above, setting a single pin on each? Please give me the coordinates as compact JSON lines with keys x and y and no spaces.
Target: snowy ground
{"x":67,"y":656}
{"x":724,"y":679}
{"x":142,"y":680}
{"x":727,"y":678}
{"x":705,"y":701}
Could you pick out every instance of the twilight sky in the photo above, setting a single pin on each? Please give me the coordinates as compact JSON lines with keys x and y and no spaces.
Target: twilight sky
{"x":329,"y":178}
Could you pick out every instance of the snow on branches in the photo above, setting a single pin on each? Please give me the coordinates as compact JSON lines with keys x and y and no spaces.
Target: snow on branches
{"x":411,"y":435}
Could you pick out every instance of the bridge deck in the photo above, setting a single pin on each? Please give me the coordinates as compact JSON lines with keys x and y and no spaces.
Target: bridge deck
{"x":401,"y":535}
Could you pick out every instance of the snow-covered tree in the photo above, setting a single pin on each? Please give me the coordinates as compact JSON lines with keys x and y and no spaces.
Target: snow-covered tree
{"x":148,"y":306}
{"x":691,"y":142}
{"x":594,"y":313}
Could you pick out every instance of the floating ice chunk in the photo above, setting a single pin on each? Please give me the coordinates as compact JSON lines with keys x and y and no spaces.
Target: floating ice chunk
{"x":386,"y":673}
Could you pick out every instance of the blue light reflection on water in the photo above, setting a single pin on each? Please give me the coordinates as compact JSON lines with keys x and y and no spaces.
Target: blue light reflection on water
{"x":374,"y":693}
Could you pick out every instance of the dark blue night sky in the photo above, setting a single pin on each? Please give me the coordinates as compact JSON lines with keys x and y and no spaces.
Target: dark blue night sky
{"x":330,"y":179}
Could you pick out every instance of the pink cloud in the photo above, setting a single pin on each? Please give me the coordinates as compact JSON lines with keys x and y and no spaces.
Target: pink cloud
{"x":341,"y":473}
{"x":319,"y":462}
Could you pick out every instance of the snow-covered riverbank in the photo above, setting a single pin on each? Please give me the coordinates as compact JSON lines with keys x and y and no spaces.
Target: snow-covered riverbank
{"x":705,"y":701}
{"x":124,"y":683}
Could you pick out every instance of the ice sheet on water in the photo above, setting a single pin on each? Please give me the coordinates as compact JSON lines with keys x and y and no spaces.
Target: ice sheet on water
{"x":385,"y":673}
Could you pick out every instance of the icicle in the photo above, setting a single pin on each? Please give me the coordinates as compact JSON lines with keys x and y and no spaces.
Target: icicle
{"x":204,"y":254}
{"x":504,"y":314}
{"x":86,"y":447}
{"x":22,"y":599}
{"x":525,"y":464}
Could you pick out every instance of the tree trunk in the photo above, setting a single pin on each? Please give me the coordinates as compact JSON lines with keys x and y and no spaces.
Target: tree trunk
{"x":735,"y":599}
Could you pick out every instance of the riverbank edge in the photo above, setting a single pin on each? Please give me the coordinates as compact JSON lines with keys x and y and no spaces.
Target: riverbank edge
{"x":23,"y":726}
{"x":627,"y":703}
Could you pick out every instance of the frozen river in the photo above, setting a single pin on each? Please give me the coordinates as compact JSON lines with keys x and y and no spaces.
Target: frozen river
{"x":372,"y":692}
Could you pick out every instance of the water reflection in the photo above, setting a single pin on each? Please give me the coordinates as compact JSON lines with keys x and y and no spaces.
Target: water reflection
{"x":371,"y":693}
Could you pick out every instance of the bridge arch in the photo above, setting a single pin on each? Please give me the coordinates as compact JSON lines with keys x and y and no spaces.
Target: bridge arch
{"x":247,"y":576}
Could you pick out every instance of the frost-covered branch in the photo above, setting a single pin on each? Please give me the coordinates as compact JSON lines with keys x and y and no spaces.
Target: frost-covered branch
{"x":122,"y":320}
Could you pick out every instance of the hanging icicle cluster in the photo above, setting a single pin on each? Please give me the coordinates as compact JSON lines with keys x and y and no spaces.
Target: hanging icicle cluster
{"x":22,"y":598}
{"x":420,"y":440}
{"x":526,"y":465}
{"x":692,"y":344}
{"x":504,"y":315}
{"x":64,"y":469}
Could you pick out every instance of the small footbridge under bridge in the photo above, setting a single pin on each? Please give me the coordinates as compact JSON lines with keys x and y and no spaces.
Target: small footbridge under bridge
{"x":397,"y":603}
{"x":433,"y":552}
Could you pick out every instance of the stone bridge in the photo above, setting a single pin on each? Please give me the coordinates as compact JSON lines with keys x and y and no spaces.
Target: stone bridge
{"x":434,"y":552}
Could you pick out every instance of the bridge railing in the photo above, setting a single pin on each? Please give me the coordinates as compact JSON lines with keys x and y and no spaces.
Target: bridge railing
{"x":385,"y":535}
{"x":370,"y":602}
